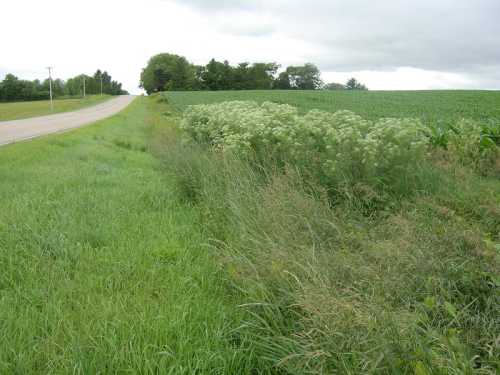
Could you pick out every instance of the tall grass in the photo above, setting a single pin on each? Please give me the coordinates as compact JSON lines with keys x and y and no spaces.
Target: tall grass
{"x":329,"y":287}
{"x":103,"y":271}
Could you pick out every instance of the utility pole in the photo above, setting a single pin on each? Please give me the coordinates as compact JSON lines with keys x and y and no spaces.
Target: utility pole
{"x":101,"y":83}
{"x":50,"y":87}
{"x":84,"y":85}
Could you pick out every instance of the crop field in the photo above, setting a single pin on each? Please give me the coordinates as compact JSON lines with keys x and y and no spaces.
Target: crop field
{"x":429,"y":106}
{"x":243,"y":237}
{"x":19,"y":110}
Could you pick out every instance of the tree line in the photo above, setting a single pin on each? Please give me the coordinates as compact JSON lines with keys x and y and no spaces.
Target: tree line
{"x":169,"y":72}
{"x":14,"y":89}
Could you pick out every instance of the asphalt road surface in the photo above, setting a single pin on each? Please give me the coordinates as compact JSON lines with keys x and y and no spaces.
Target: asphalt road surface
{"x":20,"y":130}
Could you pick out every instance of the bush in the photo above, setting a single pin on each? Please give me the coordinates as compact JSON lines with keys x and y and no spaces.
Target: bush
{"x":340,"y":150}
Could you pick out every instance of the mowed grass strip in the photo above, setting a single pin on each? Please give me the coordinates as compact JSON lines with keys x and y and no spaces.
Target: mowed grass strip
{"x":20,"y":110}
{"x":102,"y":270}
{"x":432,"y":107}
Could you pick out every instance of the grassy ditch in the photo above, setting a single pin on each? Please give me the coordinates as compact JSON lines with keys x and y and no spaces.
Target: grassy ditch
{"x":406,"y":285}
{"x":103,"y":270}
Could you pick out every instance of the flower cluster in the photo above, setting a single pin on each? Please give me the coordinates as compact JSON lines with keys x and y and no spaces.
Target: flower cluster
{"x":336,"y":146}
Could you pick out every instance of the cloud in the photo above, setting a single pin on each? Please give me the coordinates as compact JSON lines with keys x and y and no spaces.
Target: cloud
{"x":237,"y":18}
{"x":405,"y":79}
{"x":388,"y":44}
{"x":459,"y":36}
{"x":246,"y":24}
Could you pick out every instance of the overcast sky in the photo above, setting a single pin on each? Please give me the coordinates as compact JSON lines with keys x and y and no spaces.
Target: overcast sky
{"x":389,"y":44}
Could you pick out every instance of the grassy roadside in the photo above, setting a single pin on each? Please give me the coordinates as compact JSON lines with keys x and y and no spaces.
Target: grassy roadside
{"x":102,"y":270}
{"x":106,"y":269}
{"x":19,"y":110}
{"x":365,"y":282}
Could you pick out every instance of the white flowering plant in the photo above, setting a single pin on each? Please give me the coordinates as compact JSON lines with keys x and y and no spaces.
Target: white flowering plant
{"x":338,"y":148}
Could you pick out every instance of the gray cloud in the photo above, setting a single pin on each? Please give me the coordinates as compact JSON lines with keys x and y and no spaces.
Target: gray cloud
{"x":441,"y":35}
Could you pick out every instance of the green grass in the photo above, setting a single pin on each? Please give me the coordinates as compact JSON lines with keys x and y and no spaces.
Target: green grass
{"x":103,"y":271}
{"x":430,"y":106}
{"x":125,"y":250}
{"x":19,"y":110}
{"x":363,"y":283}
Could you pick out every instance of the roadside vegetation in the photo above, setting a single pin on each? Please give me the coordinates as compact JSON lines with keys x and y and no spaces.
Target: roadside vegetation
{"x":359,"y":245}
{"x":258,"y":236}
{"x":103,"y":270}
{"x":19,"y":110}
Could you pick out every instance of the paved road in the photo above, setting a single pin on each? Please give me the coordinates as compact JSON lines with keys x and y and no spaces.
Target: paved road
{"x":19,"y":130}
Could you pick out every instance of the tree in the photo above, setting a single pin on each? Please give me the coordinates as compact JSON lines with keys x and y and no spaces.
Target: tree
{"x":199,"y":83}
{"x":283,"y":81}
{"x":74,"y":86}
{"x":334,"y":86}
{"x":306,"y":77}
{"x":57,"y":87}
{"x":39,"y":91}
{"x":11,"y":88}
{"x":172,"y":72}
{"x":217,"y":75}
{"x":241,"y":77}
{"x":261,"y":75}
{"x":353,"y":84}
{"x":167,"y":72}
{"x":222,"y":76}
